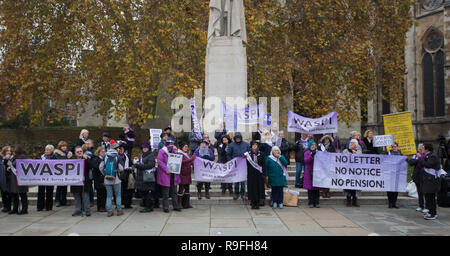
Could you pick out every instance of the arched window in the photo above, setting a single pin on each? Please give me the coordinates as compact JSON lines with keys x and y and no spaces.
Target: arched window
{"x":433,"y":74}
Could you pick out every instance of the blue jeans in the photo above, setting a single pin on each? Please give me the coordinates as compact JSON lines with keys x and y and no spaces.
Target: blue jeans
{"x":298,"y":172}
{"x":242,"y":188}
{"x":109,"y":194}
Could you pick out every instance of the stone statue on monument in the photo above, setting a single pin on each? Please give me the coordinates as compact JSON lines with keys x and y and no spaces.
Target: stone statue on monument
{"x":227,"y":19}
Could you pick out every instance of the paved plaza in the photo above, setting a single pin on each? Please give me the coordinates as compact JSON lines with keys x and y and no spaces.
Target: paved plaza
{"x":231,"y":220}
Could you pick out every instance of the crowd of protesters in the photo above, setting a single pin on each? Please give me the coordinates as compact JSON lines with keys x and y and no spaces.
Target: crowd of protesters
{"x":147,"y":175}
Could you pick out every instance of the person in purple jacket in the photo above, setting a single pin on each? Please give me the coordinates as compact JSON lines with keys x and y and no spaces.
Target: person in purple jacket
{"x":208,"y":155}
{"x":168,"y":181}
{"x":313,"y":192}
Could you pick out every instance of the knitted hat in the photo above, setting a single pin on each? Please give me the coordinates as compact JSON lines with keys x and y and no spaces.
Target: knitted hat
{"x":168,"y":128}
{"x":105,"y":134}
{"x":146,"y":145}
{"x":310,"y":143}
{"x":113,"y":144}
{"x":181,"y":144}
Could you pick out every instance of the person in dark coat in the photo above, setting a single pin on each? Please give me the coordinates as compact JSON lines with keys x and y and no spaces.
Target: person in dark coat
{"x":219,"y":133}
{"x":368,"y":142}
{"x":417,"y":177}
{"x":124,"y":160}
{"x":224,"y":142}
{"x":5,"y":157}
{"x":194,"y":140}
{"x":81,"y":193}
{"x":284,"y":146}
{"x":105,"y":140}
{"x":45,"y":193}
{"x":327,"y":145}
{"x":255,"y":175}
{"x":300,"y":147}
{"x":208,"y":156}
{"x":164,"y":138}
{"x":127,"y":134}
{"x":14,"y":189}
{"x":62,"y":152}
{"x":430,"y":178}
{"x":238,"y":149}
{"x":168,"y":131}
{"x":392,"y":196}
{"x":99,"y":178}
{"x":146,"y":164}
{"x":187,"y":165}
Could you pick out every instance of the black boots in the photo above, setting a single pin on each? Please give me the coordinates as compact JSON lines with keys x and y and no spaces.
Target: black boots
{"x":207,"y":193}
{"x":199,"y":193}
{"x":355,"y":201}
{"x":349,"y":201}
{"x":185,"y":201}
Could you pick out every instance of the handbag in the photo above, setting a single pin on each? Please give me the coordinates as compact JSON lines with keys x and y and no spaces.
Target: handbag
{"x":149,"y":175}
{"x":131,"y":181}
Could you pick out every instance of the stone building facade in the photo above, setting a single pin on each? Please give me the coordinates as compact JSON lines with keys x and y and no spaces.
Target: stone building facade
{"x":427,"y":74}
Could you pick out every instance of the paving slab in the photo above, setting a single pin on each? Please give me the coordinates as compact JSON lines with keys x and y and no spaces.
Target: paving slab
{"x":43,"y":230}
{"x":11,"y":227}
{"x":136,"y":233}
{"x":185,"y":228}
{"x":229,"y":211}
{"x":91,"y":228}
{"x":233,"y":232}
{"x":347,"y":231}
{"x":232,"y":223}
{"x":193,"y":220}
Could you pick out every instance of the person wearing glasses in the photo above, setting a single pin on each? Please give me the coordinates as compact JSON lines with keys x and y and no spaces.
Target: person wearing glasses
{"x":81,"y":193}
{"x":392,"y":196}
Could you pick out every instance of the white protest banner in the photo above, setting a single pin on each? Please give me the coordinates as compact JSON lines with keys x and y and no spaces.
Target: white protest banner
{"x":232,"y":171}
{"x":383,"y":140}
{"x":360,"y":172}
{"x":233,"y":116}
{"x":174,"y":163}
{"x":197,"y":129}
{"x":300,"y":124}
{"x":155,"y":137}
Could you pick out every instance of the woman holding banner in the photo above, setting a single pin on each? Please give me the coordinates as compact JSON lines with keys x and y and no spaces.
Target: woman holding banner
{"x":168,"y":181}
{"x":431,"y":165}
{"x":14,"y":188}
{"x":255,"y":175}
{"x":313,"y":192}
{"x":417,"y":177}
{"x":276,"y":174}
{"x":45,"y":193}
{"x":224,"y":142}
{"x":327,"y":145}
{"x":392,"y":196}
{"x":5,"y":157}
{"x":185,"y":176}
{"x":368,"y":143}
{"x":352,"y":195}
{"x":81,"y":193}
{"x":205,"y":152}
{"x":99,"y":178}
{"x":62,"y":152}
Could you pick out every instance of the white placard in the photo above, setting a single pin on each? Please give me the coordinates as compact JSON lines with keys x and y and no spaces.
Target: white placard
{"x":174,"y":163}
{"x":383,"y":140}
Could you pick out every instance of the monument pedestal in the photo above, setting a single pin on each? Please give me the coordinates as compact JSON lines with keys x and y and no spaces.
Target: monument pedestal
{"x":226,"y":72}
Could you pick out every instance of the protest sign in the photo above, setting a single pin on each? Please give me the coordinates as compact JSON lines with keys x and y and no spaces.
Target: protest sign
{"x":197,"y":129}
{"x":232,"y":171}
{"x":383,"y":140}
{"x":50,"y":172}
{"x":234,"y":116}
{"x":174,"y":163}
{"x":203,"y":151}
{"x":400,"y":126}
{"x":360,"y":172}
{"x":300,"y":124}
{"x":155,"y":137}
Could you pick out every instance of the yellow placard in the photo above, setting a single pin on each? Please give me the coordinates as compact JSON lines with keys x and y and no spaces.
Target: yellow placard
{"x":400,"y":125}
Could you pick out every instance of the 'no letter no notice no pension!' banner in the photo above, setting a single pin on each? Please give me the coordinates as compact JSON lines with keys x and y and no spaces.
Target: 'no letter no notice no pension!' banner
{"x":300,"y":124}
{"x":50,"y":172}
{"x":360,"y":172}
{"x":232,"y":171}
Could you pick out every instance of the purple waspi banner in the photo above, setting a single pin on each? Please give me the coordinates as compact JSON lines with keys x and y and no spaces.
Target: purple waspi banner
{"x":50,"y":172}
{"x":300,"y":124}
{"x":232,"y":171}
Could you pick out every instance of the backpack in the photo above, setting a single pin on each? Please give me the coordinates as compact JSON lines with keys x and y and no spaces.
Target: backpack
{"x":111,"y":167}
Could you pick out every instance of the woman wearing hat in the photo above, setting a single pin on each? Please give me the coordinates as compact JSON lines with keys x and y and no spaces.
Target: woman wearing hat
{"x":168,"y":181}
{"x":146,"y":188}
{"x":209,"y":155}
{"x":128,"y":135}
{"x":185,"y":175}
{"x":255,"y":174}
{"x":105,"y":140}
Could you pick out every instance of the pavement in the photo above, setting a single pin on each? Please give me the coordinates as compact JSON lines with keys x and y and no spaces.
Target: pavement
{"x":232,"y":220}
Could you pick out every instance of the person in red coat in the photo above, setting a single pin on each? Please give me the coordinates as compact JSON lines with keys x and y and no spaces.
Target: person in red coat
{"x":185,"y":176}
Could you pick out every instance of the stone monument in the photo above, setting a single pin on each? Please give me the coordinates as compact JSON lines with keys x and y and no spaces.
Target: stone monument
{"x":226,"y":57}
